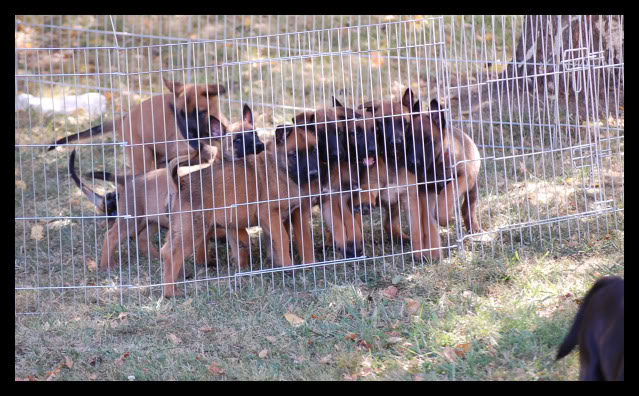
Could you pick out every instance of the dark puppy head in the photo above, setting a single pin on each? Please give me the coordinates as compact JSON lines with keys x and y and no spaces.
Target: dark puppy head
{"x":242,"y":139}
{"x":297,"y":149}
{"x":360,"y":135}
{"x":423,"y":156}
{"x":195,"y":104}
{"x":327,"y":125}
{"x":391,"y":120}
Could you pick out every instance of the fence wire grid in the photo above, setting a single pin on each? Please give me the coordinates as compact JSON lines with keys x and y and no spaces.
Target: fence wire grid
{"x":455,"y":138}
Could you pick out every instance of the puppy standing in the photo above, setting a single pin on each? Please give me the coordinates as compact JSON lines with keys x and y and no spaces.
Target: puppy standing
{"x":234,"y":143}
{"x":392,"y":184}
{"x":433,"y":162}
{"x":598,"y":330}
{"x":256,"y":191}
{"x":142,"y":196}
{"x":150,"y":126}
{"x":345,"y":142}
{"x":146,"y":196}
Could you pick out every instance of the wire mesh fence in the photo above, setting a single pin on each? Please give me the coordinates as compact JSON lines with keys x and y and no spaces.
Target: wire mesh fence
{"x":296,"y":152}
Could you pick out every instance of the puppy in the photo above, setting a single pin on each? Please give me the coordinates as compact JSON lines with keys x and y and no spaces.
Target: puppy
{"x":152,"y":123}
{"x":598,"y":330}
{"x":345,"y":141}
{"x":255,"y":191}
{"x":234,"y":143}
{"x":390,"y":182}
{"x":144,"y":197}
{"x":437,"y":145}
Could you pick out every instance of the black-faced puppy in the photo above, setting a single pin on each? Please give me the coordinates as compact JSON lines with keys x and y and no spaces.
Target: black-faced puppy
{"x":261,"y":190}
{"x":391,"y":118}
{"x":434,"y":163}
{"x":143,"y":197}
{"x":598,"y":330}
{"x":152,"y":123}
{"x":233,"y":143}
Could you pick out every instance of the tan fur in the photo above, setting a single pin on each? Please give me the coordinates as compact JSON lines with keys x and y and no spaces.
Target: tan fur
{"x":233,"y":196}
{"x":153,"y":121}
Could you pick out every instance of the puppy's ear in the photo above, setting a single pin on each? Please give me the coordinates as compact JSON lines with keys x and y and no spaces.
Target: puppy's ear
{"x":282,"y":132}
{"x":368,"y":106}
{"x":176,"y":87}
{"x":336,"y":102}
{"x":407,"y":99}
{"x":434,"y":106}
{"x":247,"y":114}
{"x":217,"y":127}
{"x":305,"y":118}
{"x":417,"y":107}
{"x":215,"y":89}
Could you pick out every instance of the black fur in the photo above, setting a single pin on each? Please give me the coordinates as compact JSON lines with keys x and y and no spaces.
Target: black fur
{"x":108,"y":203}
{"x":93,"y":131}
{"x":361,"y":142}
{"x":598,"y":330}
{"x":303,"y":166}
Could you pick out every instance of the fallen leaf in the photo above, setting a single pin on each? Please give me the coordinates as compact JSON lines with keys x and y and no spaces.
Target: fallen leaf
{"x":206,"y":329}
{"x":215,"y":369}
{"x":91,"y":265}
{"x":37,"y":232}
{"x":449,"y":354}
{"x":92,"y":377}
{"x":68,"y":362}
{"x":351,"y":377}
{"x":365,"y":371}
{"x":462,"y":349}
{"x":263,"y":353}
{"x":119,"y":361}
{"x":32,"y":378}
{"x":300,"y":359}
{"x":364,"y":344}
{"x":174,"y":339}
{"x":394,"y":340}
{"x":336,"y":347}
{"x":94,"y":360}
{"x":390,"y":291}
{"x":412,"y":306}
{"x":21,"y":185}
{"x":122,"y":315}
{"x":350,"y":336}
{"x":51,"y":376}
{"x":396,"y":279}
{"x":271,"y":339}
{"x":188,"y":302}
{"x":419,"y":377}
{"x":326,"y":359}
{"x":294,"y":320}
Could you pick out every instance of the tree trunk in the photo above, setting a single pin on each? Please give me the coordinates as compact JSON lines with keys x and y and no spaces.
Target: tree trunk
{"x":576,"y":60}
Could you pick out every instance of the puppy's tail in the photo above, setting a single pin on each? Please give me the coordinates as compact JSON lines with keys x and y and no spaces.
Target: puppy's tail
{"x":570,"y":341}
{"x":106,"y":176}
{"x":94,"y":131}
{"x":97,"y":199}
{"x":172,"y":168}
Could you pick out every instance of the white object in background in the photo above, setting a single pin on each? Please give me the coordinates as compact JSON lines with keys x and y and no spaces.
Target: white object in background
{"x":93,"y":103}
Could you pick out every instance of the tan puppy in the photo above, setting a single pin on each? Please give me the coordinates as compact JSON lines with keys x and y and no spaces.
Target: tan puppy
{"x":438,"y":145}
{"x":152,"y":123}
{"x":144,"y":197}
{"x":390,"y":182}
{"x":255,"y":191}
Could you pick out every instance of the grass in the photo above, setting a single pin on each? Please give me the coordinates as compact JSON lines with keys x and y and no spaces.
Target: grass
{"x":495,"y":308}
{"x":505,"y":317}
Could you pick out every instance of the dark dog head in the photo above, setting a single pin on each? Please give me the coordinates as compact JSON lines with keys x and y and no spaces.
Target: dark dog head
{"x":360,"y":135}
{"x":424,"y":157}
{"x":391,"y":119}
{"x":194,"y":104}
{"x":298,"y":149}
{"x":327,"y":125}
{"x":242,"y":139}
